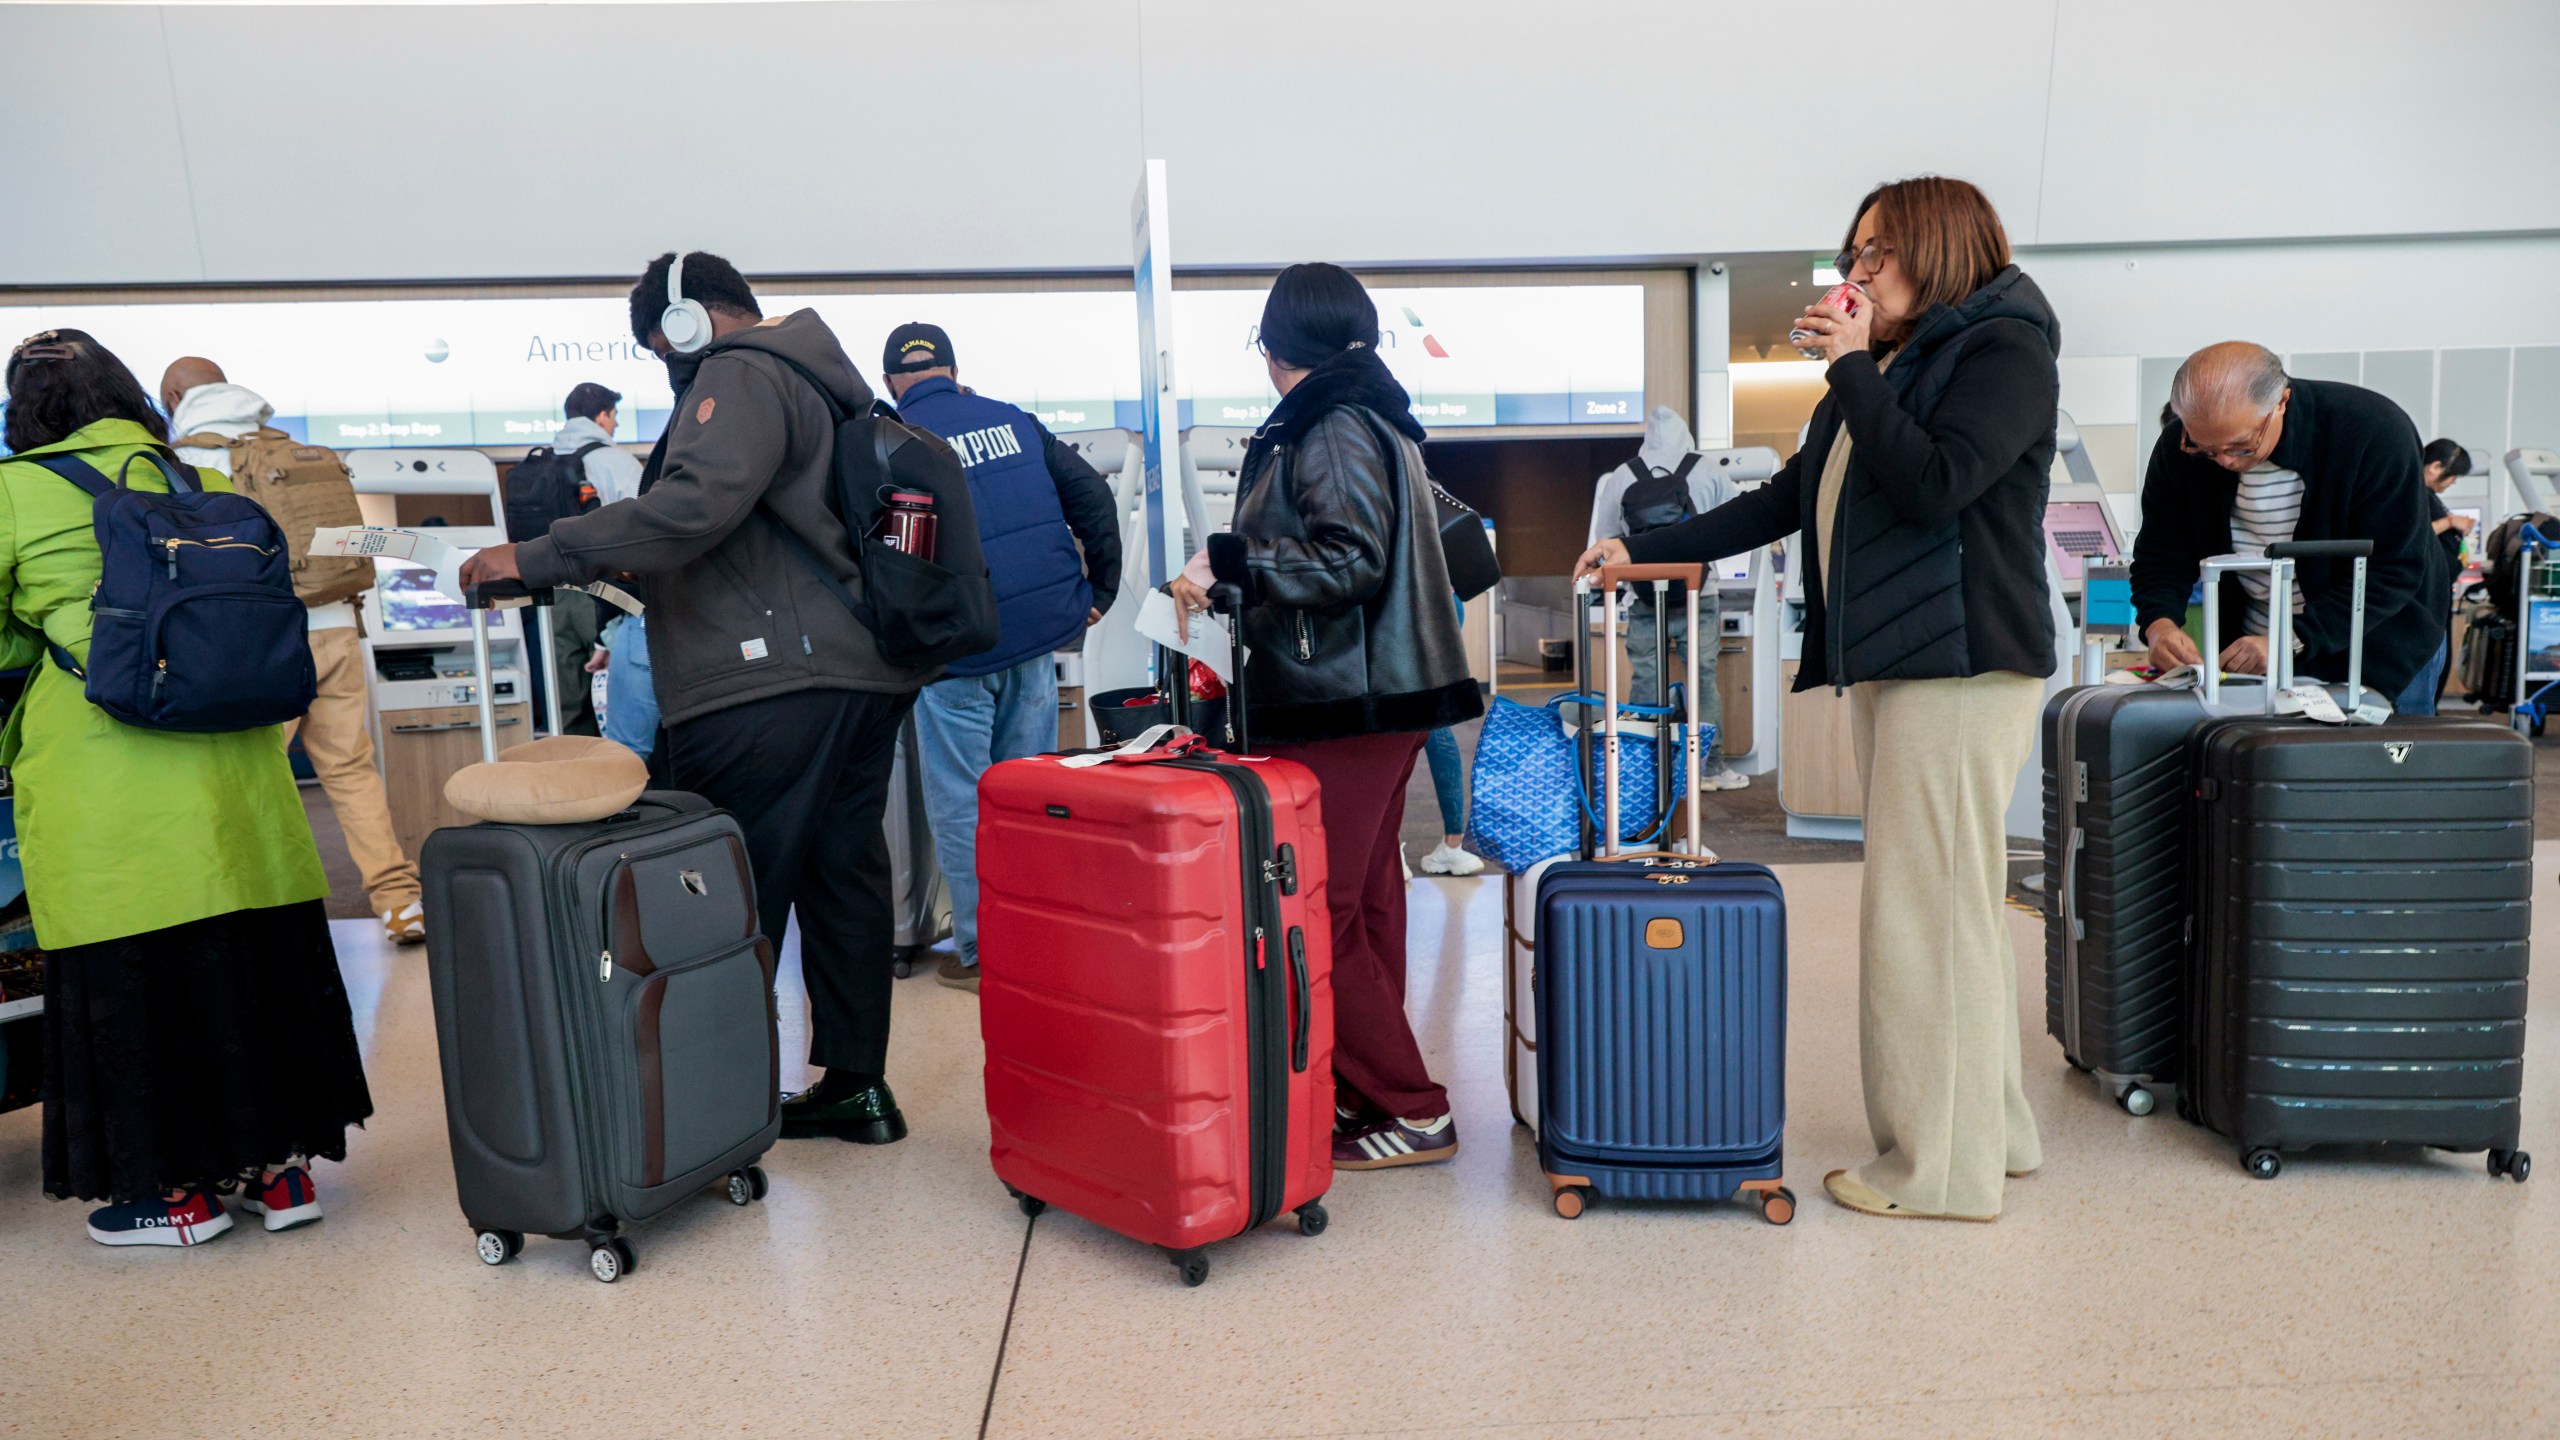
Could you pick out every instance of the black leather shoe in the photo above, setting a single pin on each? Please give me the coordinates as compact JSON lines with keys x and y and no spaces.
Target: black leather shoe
{"x":866,"y":1117}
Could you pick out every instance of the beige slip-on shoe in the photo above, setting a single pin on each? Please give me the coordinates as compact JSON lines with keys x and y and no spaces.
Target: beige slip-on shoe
{"x":1853,"y":1194}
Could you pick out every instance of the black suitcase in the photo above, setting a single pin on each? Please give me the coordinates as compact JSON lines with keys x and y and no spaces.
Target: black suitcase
{"x":2115,"y":810}
{"x":604,"y":1019}
{"x":2115,"y":868}
{"x":2363,"y":911}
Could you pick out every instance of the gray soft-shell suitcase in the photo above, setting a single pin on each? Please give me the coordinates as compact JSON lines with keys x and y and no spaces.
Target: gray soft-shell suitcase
{"x":604,"y":1016}
{"x":2363,"y":902}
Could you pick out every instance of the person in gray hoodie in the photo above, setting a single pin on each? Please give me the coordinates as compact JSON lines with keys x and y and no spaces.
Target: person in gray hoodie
{"x":777,"y":704}
{"x":1661,"y":459}
{"x":622,"y":650}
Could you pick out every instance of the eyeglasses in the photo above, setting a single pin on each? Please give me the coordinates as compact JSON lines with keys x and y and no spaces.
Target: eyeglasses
{"x":2250,"y":448}
{"x":1870,"y":255}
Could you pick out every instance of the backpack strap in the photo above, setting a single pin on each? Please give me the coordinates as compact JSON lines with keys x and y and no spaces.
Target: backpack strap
{"x":1688,"y":463}
{"x":580,"y":454}
{"x":79,"y":473}
{"x":1642,"y":471}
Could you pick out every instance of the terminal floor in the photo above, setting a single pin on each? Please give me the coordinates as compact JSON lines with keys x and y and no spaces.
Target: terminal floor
{"x":2139,"y":1286}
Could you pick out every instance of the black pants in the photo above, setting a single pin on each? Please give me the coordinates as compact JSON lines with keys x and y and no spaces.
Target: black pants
{"x":807,"y":775}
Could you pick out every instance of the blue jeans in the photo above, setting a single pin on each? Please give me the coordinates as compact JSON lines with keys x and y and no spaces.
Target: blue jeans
{"x":630,"y":696}
{"x":963,"y":725}
{"x":2420,"y":697}
{"x":1448,"y":779}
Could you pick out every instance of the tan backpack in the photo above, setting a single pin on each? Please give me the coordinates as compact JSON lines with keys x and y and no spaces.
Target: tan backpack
{"x":304,"y":487}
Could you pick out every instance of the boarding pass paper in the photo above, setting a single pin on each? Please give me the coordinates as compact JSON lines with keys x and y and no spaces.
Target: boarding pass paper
{"x":338,"y":542}
{"x":1208,"y":643}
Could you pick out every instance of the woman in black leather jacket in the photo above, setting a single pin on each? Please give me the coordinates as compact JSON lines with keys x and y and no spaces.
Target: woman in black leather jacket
{"x":1921,"y":490}
{"x":1356,"y":656}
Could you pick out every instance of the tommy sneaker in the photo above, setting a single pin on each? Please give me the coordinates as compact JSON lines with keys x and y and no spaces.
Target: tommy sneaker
{"x":286,"y":1201}
{"x":1390,"y":1143}
{"x":1450,"y":860}
{"x":191,"y":1219}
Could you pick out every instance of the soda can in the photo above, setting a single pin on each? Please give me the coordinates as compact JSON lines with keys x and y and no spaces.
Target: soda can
{"x":1843,"y":296}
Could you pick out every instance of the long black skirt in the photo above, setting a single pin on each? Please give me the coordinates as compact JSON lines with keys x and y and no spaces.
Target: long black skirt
{"x":190,"y":1055}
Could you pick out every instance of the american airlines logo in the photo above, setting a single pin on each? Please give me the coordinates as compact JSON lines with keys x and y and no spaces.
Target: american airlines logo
{"x":978,"y":446}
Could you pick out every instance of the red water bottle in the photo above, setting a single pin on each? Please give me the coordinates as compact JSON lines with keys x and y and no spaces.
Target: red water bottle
{"x":908,"y":523}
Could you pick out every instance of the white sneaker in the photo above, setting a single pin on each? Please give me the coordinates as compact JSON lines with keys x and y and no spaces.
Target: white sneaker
{"x":1405,"y":861}
{"x":1450,"y":860}
{"x":1724,"y":777}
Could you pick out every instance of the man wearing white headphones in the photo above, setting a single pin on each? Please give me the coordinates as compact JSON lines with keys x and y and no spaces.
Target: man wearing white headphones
{"x":777,"y":703}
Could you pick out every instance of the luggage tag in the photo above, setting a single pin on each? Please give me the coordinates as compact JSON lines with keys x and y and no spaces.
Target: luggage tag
{"x":1176,"y":740}
{"x":2313,"y":701}
{"x":2370,"y":712}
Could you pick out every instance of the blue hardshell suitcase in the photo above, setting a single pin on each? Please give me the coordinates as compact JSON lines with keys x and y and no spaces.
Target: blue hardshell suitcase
{"x":1660,"y":986}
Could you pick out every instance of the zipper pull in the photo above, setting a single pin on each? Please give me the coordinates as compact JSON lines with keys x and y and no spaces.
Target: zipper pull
{"x":1260,"y":957}
{"x":604,"y":966}
{"x":173,"y":559}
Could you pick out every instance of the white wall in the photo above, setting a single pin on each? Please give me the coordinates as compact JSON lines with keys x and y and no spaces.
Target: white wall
{"x":315,"y":142}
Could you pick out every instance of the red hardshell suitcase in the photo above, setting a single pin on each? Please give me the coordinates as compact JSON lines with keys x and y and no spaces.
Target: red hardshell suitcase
{"x":1155,"y":962}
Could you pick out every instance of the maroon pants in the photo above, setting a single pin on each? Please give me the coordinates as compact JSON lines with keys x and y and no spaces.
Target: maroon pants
{"x":1374,"y":1052}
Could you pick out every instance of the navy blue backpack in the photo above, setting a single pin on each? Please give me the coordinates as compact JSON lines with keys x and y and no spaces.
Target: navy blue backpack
{"x":194,"y":625}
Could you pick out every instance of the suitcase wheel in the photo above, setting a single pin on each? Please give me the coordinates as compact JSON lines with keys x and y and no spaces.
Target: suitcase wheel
{"x":747,"y":1186}
{"x":1312,"y":1219}
{"x":1032,"y":1205}
{"x":497,"y":1247}
{"x":2136,"y":1100}
{"x":1194,"y":1265}
{"x":2262,"y":1163}
{"x":903,"y":964}
{"x":2516,"y":1165}
{"x":1778,"y":1206}
{"x":612,"y":1259}
{"x":1570,"y":1199}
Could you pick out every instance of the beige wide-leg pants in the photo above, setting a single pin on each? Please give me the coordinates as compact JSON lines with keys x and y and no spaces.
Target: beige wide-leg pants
{"x":1937,"y":975}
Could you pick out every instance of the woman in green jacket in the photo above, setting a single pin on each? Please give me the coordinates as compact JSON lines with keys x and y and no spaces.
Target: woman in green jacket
{"x":196,"y":1030}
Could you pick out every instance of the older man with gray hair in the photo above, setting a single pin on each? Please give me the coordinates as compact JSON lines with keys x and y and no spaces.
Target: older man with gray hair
{"x":2250,"y":457}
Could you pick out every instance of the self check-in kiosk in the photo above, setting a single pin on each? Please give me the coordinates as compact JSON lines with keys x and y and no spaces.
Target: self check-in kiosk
{"x":426,"y":687}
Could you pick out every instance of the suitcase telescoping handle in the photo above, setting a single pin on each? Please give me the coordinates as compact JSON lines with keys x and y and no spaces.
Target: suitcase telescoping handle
{"x":1228,"y":600}
{"x":480,"y":600}
{"x":2278,"y":565}
{"x":1661,"y":578}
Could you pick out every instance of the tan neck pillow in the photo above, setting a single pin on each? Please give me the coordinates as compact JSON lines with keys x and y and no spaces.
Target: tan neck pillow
{"x":560,"y":780}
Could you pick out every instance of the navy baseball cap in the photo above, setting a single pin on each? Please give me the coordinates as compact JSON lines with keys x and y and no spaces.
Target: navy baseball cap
{"x":916,"y":346}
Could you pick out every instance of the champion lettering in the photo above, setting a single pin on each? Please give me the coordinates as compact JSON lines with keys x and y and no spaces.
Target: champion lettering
{"x":976,"y":447}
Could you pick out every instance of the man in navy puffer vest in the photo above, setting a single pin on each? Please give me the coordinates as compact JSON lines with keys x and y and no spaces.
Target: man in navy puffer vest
{"x":1037,"y":501}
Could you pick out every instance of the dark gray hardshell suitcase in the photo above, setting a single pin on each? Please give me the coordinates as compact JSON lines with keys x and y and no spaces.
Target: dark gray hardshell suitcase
{"x":604,"y":1015}
{"x":2115,"y":868}
{"x":2115,"y":807}
{"x":2363,"y":914}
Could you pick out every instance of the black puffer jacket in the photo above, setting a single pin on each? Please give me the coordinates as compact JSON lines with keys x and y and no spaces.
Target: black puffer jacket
{"x":1348,"y":606}
{"x":1938,"y":546}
